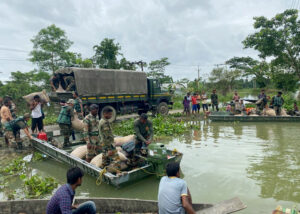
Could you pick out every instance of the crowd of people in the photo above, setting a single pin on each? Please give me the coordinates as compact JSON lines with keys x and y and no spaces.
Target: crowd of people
{"x":236,"y":106}
{"x":194,"y":101}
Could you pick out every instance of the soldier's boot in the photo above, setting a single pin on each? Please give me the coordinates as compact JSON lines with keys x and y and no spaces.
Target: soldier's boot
{"x":66,"y":141}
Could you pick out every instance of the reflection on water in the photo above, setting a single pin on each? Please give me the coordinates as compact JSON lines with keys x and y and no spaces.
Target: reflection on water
{"x":258,"y":162}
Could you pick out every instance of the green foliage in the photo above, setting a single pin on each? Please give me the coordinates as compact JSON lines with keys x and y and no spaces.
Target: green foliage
{"x":106,"y":54}
{"x":50,"y":47}
{"x":37,"y":156}
{"x":37,"y":186}
{"x":288,"y":101}
{"x":278,"y":38}
{"x":15,"y":167}
{"x":25,"y":83}
{"x":250,"y":67}
{"x":157,"y":70}
{"x":285,"y":81}
{"x":224,"y":79}
{"x":162,"y":126}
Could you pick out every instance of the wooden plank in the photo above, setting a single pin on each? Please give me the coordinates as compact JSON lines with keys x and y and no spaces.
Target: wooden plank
{"x":225,"y":207}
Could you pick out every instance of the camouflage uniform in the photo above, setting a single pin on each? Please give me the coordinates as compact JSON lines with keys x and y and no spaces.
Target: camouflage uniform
{"x":91,"y":135}
{"x":106,"y":142}
{"x":70,"y":83}
{"x":12,"y":132}
{"x":143,"y":133}
{"x":77,"y":107}
{"x":64,"y":121}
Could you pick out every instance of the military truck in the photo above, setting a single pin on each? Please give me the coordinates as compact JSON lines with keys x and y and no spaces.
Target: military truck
{"x":123,"y":91}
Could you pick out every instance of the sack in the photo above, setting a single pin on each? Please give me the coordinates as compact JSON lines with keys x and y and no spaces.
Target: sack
{"x":77,"y":124}
{"x":269,"y":112}
{"x":128,"y":147}
{"x":43,"y":96}
{"x":283,"y":113}
{"x":60,"y":89}
{"x":97,"y":161}
{"x":119,"y":141}
{"x":80,"y":152}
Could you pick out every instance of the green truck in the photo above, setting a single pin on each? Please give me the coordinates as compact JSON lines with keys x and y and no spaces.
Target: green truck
{"x":123,"y":91}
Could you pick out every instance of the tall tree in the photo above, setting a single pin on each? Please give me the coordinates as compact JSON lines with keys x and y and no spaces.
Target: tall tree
{"x":251,"y":67}
{"x":157,"y":70}
{"x":106,"y":54}
{"x":278,"y":38}
{"x":50,"y":47}
{"x":224,"y":79}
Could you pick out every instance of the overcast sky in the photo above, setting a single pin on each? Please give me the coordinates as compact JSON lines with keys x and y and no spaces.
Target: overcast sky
{"x":188,"y":32}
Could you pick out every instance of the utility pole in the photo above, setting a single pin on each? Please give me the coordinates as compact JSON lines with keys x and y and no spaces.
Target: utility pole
{"x":198,"y":78}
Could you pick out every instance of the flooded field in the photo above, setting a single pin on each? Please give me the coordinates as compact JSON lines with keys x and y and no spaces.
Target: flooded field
{"x":258,"y":162}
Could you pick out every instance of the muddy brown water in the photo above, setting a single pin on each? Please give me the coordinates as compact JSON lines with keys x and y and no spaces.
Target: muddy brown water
{"x":258,"y":162}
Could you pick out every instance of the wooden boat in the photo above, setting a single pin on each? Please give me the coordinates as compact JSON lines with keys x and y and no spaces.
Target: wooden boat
{"x":226,"y":117}
{"x":155,"y":162}
{"x":118,"y":205}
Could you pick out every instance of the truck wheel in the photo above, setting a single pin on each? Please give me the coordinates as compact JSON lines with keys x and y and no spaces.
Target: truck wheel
{"x":163,"y":108}
{"x":114,"y":113}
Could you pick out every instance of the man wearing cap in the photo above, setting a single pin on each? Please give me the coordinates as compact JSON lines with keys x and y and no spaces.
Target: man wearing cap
{"x":12,"y":130}
{"x":91,"y":133}
{"x":143,"y":131}
{"x":78,"y":105}
{"x":64,"y":121}
{"x":107,"y":139}
{"x":277,"y":102}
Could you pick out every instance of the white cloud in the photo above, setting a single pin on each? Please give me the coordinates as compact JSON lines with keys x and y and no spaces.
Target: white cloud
{"x":190,"y":32}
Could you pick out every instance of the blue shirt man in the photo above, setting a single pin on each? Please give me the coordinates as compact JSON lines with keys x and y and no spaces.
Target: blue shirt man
{"x":173,"y":194}
{"x":61,"y":202}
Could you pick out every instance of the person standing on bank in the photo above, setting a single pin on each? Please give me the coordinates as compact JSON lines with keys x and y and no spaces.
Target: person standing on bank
{"x":62,"y":201}
{"x":36,"y":114}
{"x":214,"y":100}
{"x":78,"y":105}
{"x":64,"y":121}
{"x":173,"y":193}
{"x":143,"y":129}
{"x":277,"y":102}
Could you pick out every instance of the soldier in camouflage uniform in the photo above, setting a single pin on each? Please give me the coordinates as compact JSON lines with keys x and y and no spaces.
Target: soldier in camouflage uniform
{"x":64,"y":121}
{"x":78,"y":105}
{"x":91,"y":133}
{"x":12,"y":131}
{"x":70,"y":83}
{"x":143,"y":129}
{"x":110,"y":157}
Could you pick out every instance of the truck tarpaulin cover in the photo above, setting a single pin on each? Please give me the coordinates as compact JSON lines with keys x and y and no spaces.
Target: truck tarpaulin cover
{"x":91,"y":82}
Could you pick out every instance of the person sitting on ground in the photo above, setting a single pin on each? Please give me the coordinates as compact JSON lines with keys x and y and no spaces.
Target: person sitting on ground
{"x":194,"y":103}
{"x":5,"y":112}
{"x":12,"y":131}
{"x":36,"y":114}
{"x":62,"y":201}
{"x":277,"y":102}
{"x":186,"y":106}
{"x":64,"y":120}
{"x":143,"y":129}
{"x":173,"y":193}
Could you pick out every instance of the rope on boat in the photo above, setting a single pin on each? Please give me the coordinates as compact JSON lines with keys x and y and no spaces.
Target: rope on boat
{"x":100,"y":177}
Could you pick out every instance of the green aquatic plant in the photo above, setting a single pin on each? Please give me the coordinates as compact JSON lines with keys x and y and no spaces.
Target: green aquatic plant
{"x":37,"y":186}
{"x":37,"y":156}
{"x":16,"y":166}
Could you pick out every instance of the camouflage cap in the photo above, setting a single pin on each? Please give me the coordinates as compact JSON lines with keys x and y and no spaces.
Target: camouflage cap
{"x":94,"y":106}
{"x":144,"y":116}
{"x":26,"y":115}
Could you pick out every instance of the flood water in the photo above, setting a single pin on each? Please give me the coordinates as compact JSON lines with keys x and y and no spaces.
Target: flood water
{"x":258,"y":162}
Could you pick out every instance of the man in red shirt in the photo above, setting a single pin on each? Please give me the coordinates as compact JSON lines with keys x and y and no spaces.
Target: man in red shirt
{"x":194,"y":103}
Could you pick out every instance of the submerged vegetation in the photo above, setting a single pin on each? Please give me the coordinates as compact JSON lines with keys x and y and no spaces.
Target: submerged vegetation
{"x":33,"y":186}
